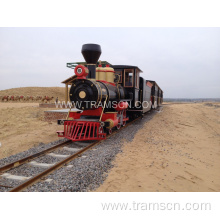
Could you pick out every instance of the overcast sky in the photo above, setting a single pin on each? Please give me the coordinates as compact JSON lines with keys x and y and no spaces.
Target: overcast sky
{"x":184,"y":61}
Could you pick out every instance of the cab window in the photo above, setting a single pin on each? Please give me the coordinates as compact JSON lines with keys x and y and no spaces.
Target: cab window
{"x":128,"y":78}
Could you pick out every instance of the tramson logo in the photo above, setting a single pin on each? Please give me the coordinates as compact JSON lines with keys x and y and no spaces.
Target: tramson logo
{"x":109,"y":104}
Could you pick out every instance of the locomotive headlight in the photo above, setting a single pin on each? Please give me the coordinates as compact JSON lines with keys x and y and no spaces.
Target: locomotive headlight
{"x":79,"y":70}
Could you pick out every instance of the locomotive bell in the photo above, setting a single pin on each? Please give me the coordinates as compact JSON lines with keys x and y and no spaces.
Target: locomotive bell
{"x":91,"y":54}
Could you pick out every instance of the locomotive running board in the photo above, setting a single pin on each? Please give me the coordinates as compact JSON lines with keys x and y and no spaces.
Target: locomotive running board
{"x":82,"y":130}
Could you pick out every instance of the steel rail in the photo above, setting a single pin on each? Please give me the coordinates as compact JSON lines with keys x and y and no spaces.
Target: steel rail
{"x":46,"y":172}
{"x":49,"y":170}
{"x":26,"y":159}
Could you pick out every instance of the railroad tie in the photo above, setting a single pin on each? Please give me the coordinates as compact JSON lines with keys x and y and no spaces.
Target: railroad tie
{"x":14,"y":177}
{"x":72,"y":149}
{"x":82,"y":144}
{"x":58,"y":155}
{"x":48,"y":180}
{"x":43,"y":165}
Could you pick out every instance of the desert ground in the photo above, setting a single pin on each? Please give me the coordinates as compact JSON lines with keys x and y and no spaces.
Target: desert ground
{"x":22,"y":123}
{"x":178,"y":150}
{"x":35,"y":91}
{"x":22,"y":126}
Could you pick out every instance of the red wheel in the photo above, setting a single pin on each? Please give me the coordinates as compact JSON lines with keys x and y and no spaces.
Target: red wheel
{"x":124,"y":123}
{"x":109,"y":131}
{"x":118,"y":126}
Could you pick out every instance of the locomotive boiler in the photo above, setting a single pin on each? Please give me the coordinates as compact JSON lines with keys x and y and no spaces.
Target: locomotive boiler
{"x":89,"y":90}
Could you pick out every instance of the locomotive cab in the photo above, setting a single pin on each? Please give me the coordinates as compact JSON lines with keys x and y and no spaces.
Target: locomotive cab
{"x":130,"y":80}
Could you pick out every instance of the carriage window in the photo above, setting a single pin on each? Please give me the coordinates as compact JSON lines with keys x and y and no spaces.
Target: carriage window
{"x":128,"y":78}
{"x":118,"y":72}
{"x":137,"y":79}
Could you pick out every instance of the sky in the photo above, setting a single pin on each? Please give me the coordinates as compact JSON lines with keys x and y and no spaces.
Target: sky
{"x":185,"y":62}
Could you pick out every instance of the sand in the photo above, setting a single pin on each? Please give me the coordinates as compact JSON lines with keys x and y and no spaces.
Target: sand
{"x":178,"y":150}
{"x":35,"y":91}
{"x":22,"y":123}
{"x":22,"y":126}
{"x":6,"y":105}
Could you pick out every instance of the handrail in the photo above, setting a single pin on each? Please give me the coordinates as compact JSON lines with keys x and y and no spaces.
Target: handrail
{"x":103,"y":107}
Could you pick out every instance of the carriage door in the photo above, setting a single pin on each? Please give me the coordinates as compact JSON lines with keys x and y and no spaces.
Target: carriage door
{"x":136,"y":89}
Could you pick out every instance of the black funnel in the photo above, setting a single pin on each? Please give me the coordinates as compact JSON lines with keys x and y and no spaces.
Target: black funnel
{"x":91,"y":53}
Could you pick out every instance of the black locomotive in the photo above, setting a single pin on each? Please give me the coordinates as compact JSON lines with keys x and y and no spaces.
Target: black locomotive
{"x":106,"y":96}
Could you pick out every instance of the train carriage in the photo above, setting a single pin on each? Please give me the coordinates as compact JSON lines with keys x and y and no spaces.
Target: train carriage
{"x":156,"y":94}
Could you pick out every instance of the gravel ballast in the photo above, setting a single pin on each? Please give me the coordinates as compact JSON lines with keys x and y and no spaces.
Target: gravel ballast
{"x":85,"y":173}
{"x":29,"y":152}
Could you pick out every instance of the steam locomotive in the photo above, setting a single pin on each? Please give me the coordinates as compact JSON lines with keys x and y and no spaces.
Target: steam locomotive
{"x":106,"y":97}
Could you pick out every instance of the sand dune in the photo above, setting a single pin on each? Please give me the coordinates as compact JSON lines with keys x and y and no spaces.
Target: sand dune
{"x":178,"y":150}
{"x":36,"y":91}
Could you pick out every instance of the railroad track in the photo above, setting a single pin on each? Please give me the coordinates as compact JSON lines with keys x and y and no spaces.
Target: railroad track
{"x":79,"y":148}
{"x":47,"y":168}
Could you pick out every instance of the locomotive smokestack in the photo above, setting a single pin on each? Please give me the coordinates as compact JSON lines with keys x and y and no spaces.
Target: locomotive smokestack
{"x":91,"y":54}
